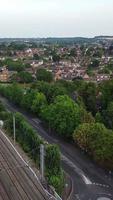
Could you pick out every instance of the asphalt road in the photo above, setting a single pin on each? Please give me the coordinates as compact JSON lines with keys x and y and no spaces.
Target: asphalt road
{"x":17,"y":182}
{"x":89,"y":181}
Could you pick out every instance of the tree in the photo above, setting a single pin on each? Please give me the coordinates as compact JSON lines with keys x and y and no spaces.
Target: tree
{"x":14,"y":65}
{"x":2,"y":108}
{"x":99,"y":52}
{"x":44,"y":75}
{"x":98,"y":117}
{"x":30,"y":142}
{"x":85,"y":134}
{"x":94,"y":64}
{"x":55,"y":90}
{"x":86,"y":117}
{"x":50,"y":90}
{"x":14,"y":93}
{"x":36,"y":56}
{"x":17,"y":46}
{"x":38,"y":103}
{"x":108,"y":115}
{"x":97,"y":140}
{"x":106,"y":89}
{"x":52,"y":159}
{"x":73,"y":52}
{"x":63,"y":115}
{"x":27,"y":99}
{"x":56,"y":58}
{"x":69,"y":86}
{"x":24,"y":77}
{"x":53,"y":167}
{"x":88,"y":92}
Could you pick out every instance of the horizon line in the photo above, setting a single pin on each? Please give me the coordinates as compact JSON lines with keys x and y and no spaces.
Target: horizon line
{"x":34,"y":37}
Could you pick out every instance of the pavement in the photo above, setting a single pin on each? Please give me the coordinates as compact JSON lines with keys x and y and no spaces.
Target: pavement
{"x":90,"y":182}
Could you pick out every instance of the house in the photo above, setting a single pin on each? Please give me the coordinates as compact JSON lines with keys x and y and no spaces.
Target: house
{"x":102,"y":77}
{"x":86,"y":77}
{"x":4,"y":74}
{"x":58,"y":75}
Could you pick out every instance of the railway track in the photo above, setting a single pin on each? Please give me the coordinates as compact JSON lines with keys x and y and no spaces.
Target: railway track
{"x":16,"y":180}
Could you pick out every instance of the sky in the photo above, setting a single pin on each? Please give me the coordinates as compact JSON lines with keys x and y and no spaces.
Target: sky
{"x":56,"y":18}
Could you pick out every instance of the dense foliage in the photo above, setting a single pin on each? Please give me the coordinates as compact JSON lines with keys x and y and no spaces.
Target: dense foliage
{"x":30,"y":141}
{"x":44,"y":75}
{"x":51,"y":104}
{"x":63,"y":115}
{"x":53,"y":169}
{"x":13,"y":65}
{"x":67,"y":107}
{"x":97,"y":140}
{"x":22,"y":77}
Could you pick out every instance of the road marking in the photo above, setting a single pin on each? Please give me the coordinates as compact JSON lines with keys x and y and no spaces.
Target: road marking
{"x":37,"y":121}
{"x":77,"y":196}
{"x":87,"y":181}
{"x":102,"y":185}
{"x":79,"y":171}
{"x":106,"y":195}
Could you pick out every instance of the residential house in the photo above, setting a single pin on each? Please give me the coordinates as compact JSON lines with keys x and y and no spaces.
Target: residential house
{"x":4,"y":74}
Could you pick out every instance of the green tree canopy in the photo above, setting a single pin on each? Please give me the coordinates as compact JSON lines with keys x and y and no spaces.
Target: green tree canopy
{"x":88,"y":91}
{"x":14,"y":65}
{"x":108,"y":115}
{"x":13,"y":92}
{"x":2,"y":108}
{"x":50,"y":90}
{"x":106,"y":89}
{"x":44,"y":75}
{"x":97,"y":140}
{"x":38,"y":103}
{"x":63,"y":115}
{"x":22,"y":77}
{"x":27,"y":100}
{"x":56,"y":57}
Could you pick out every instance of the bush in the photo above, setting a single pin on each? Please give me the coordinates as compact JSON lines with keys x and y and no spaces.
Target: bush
{"x":44,"y":75}
{"x":57,"y":182}
{"x":97,"y":141}
{"x":30,"y":142}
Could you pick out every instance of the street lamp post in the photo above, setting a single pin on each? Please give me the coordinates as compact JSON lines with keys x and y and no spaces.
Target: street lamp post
{"x":14,"y":134}
{"x":42,"y":161}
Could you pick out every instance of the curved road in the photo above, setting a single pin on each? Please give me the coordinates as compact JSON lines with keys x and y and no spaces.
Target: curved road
{"x":89,"y":181}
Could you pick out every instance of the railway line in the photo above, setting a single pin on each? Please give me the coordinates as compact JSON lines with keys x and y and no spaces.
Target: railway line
{"x":96,"y":184}
{"x":16,"y":180}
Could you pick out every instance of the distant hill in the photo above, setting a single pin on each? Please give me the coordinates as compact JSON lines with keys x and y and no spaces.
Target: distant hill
{"x":57,"y":40}
{"x":104,"y":37}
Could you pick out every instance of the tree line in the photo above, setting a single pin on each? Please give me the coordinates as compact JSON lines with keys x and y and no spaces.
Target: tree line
{"x":30,"y":141}
{"x":76,"y":111}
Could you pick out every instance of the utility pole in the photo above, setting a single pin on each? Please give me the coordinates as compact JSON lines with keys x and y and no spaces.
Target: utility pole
{"x":14,"y":135}
{"x":42,"y":161}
